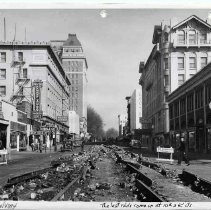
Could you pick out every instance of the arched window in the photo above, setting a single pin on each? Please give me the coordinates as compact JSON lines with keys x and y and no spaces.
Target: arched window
{"x":192,"y":37}
{"x":181,"y":37}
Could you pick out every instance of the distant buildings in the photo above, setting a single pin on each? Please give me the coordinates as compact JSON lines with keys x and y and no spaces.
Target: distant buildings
{"x":134,"y":112}
{"x":74,"y":62}
{"x":180,"y":50}
{"x":122,"y":121}
{"x":33,"y":79}
{"x":135,"y":109}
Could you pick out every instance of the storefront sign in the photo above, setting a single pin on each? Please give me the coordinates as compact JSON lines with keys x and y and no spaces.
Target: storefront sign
{"x":38,"y":132}
{"x":62,"y":118}
{"x":37,"y":114}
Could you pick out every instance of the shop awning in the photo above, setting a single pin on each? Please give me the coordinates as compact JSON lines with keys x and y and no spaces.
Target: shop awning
{"x":4,"y":122}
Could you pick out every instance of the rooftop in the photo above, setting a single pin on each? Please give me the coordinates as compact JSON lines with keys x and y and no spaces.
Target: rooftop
{"x":72,"y":40}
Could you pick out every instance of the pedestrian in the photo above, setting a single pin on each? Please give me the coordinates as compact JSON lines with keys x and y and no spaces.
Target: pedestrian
{"x":182,"y":155}
{"x":82,"y":144}
{"x":71,"y":144}
{"x":41,"y":144}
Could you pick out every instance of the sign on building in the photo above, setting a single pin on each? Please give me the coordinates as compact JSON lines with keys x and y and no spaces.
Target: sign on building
{"x":37,"y":113}
{"x":62,"y":118}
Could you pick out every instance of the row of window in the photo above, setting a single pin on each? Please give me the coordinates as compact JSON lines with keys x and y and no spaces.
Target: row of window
{"x":192,"y":63}
{"x":72,"y":50}
{"x":179,"y":108}
{"x":192,"y":37}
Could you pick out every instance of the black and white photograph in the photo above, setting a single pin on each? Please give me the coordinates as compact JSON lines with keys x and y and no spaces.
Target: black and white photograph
{"x":106,"y":107}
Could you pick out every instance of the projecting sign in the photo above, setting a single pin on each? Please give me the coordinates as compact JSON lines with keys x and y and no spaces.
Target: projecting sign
{"x":62,"y":118}
{"x":37,"y":113}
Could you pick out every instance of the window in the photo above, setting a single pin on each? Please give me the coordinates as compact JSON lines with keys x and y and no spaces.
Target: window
{"x":182,"y":106}
{"x":166,"y":80}
{"x":203,"y":38}
{"x":192,"y":63}
{"x":2,"y":73}
{"x":2,"y":90}
{"x":171,"y":113}
{"x":166,"y":63}
{"x":192,"y":37}
{"x":181,"y":79}
{"x":203,"y":61}
{"x":176,"y":109}
{"x":190,"y":103}
{"x":3,"y":57}
{"x":20,"y":56}
{"x":181,"y":37}
{"x":25,"y":74}
{"x":199,"y":98}
{"x":180,"y":62}
{"x":166,"y":36}
{"x":191,"y":75}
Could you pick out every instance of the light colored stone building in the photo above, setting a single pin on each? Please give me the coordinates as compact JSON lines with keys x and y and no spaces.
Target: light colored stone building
{"x":74,"y":62}
{"x":180,"y":50}
{"x":23,"y":63}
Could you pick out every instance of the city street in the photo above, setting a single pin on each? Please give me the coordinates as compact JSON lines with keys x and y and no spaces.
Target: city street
{"x":25,"y":162}
{"x":105,"y":105}
{"x":106,"y":177}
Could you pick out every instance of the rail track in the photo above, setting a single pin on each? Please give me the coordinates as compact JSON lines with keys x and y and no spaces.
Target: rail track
{"x":143,"y":183}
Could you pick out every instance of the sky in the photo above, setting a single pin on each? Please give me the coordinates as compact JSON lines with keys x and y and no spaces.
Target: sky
{"x":113,"y":45}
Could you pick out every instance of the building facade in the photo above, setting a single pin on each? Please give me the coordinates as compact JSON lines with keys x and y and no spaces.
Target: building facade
{"x":180,"y":50}
{"x":75,"y":64}
{"x":135,"y":110}
{"x":74,"y":123}
{"x":122,"y":121}
{"x":33,"y":79}
{"x":190,"y":112}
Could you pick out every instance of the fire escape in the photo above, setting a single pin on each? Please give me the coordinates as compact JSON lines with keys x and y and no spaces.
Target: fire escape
{"x":21,"y":79}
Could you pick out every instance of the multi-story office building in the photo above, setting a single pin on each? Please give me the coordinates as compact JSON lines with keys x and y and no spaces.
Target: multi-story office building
{"x":22,"y":64}
{"x":122,"y":121}
{"x":135,"y":110}
{"x":75,"y":64}
{"x":180,"y":50}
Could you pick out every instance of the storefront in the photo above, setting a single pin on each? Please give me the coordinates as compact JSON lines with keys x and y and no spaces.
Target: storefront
{"x":18,"y":136}
{"x":4,"y":125}
{"x":190,"y":112}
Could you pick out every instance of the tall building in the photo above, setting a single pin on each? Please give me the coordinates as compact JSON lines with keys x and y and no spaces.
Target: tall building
{"x":135,"y":110}
{"x":33,"y":79}
{"x":180,"y":50}
{"x":74,"y":62}
{"x":122,"y":121}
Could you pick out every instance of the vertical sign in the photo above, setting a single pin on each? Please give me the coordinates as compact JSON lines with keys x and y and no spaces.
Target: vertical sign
{"x":37,"y":112}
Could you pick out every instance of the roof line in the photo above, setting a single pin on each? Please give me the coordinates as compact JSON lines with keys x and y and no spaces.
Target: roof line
{"x":187,"y":19}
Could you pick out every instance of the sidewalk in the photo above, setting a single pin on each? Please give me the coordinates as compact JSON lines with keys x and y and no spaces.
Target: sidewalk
{"x":199,"y":164}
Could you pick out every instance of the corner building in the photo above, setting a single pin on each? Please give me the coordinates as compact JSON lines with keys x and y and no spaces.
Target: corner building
{"x":21,"y":64}
{"x":180,"y":50}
